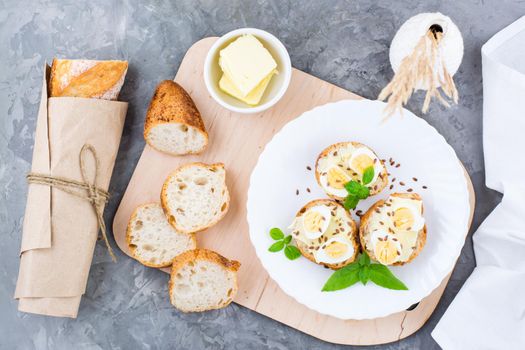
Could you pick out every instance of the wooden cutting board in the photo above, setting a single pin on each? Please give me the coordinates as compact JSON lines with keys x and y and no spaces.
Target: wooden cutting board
{"x":237,"y":140}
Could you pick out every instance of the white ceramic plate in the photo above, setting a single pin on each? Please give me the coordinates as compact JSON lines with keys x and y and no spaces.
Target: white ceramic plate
{"x":423,"y":153}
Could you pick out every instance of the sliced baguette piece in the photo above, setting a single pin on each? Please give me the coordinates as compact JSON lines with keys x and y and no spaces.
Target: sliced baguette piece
{"x":375,"y":187}
{"x":152,"y":240}
{"x":351,"y":234}
{"x":202,"y":280}
{"x":173,"y":123}
{"x":195,"y":197}
{"x":364,"y":230}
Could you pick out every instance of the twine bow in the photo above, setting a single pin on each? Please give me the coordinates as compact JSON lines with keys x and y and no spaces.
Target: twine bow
{"x":84,"y":189}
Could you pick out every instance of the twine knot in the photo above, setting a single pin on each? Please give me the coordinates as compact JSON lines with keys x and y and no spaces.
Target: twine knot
{"x":84,"y":189}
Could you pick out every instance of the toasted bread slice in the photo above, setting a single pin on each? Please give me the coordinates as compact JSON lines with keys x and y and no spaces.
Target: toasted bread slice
{"x":202,"y":280}
{"x":152,"y":240}
{"x":173,"y":123}
{"x":195,"y":197}
{"x":375,"y":187}
{"x":364,"y":232}
{"x":351,"y":234}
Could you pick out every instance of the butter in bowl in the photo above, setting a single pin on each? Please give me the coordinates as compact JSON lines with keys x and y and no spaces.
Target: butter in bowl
{"x":247,"y":70}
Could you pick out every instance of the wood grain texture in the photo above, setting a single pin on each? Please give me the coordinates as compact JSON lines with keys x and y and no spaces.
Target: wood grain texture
{"x":237,"y":140}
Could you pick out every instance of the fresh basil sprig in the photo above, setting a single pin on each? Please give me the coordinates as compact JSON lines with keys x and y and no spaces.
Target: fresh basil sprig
{"x":283,"y":242}
{"x":363,"y":271}
{"x":358,"y":190}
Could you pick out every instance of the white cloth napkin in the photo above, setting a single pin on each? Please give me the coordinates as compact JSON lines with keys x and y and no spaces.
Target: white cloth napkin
{"x":489,"y":311}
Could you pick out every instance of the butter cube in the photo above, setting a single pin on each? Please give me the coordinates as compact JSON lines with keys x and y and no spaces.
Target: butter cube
{"x":246,"y":63}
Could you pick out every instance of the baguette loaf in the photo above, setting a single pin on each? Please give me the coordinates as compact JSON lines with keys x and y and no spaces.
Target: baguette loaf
{"x":202,"y":280}
{"x":173,"y":124}
{"x":87,"y":78}
{"x":152,"y":240}
{"x":195,"y":197}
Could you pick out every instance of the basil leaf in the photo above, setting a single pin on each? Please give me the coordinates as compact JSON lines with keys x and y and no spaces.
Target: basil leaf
{"x":292,"y":252}
{"x":368,"y":175}
{"x":382,"y":276}
{"x":277,"y":246}
{"x":363,"y":193}
{"x":353,"y":187}
{"x":364,"y":273}
{"x":276,"y":233}
{"x":350,"y":202}
{"x":364,"y":259}
{"x":287,"y":239}
{"x":342,"y":278}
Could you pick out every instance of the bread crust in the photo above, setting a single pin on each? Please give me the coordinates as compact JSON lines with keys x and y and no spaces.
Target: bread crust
{"x":97,"y":81}
{"x":421,"y":235}
{"x":203,"y":254}
{"x":172,"y":104}
{"x":380,"y":183}
{"x":164,"y":196}
{"x":132,"y":248}
{"x":303,"y":247}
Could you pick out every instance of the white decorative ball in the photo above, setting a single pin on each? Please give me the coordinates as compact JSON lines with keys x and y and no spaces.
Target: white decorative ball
{"x":407,"y":37}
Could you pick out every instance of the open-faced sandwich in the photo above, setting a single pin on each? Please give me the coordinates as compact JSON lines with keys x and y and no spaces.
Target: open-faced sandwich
{"x":343,"y":162}
{"x":393,"y":231}
{"x":326,"y":234}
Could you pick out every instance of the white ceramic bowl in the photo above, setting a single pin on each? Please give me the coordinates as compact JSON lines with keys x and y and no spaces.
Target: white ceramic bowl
{"x":277,"y":86}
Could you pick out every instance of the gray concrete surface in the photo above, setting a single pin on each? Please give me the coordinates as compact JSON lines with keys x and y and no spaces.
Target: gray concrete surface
{"x":344,"y":42}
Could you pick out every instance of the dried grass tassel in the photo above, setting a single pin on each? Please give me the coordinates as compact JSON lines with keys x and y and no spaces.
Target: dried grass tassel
{"x":423,"y":67}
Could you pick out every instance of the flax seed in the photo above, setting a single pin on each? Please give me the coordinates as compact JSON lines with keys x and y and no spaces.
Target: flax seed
{"x":409,"y":190}
{"x":307,"y":190}
{"x":308,"y":168}
{"x":401,"y":183}
{"x":414,"y":178}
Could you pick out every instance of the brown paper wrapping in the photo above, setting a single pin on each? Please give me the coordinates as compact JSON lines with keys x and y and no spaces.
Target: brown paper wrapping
{"x":60,"y":230}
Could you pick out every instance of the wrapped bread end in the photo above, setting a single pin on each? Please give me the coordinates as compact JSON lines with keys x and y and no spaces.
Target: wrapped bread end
{"x":87,"y":78}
